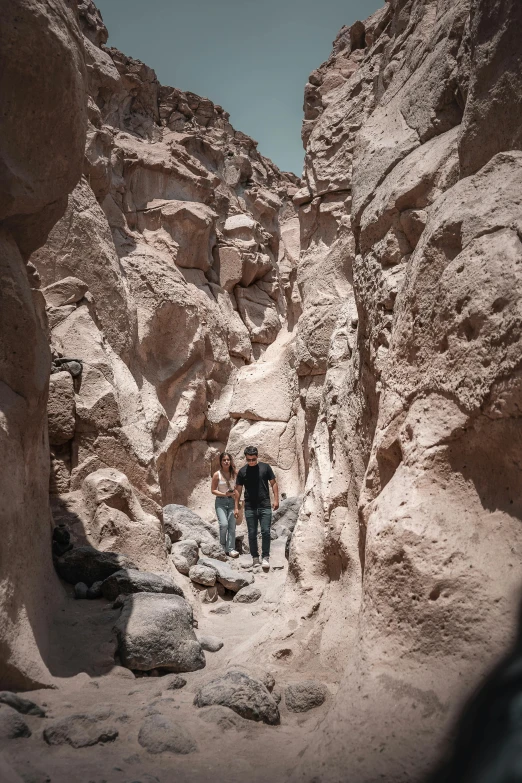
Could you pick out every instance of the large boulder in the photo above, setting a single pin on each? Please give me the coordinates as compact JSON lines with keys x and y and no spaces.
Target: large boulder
{"x":155,"y":631}
{"x":227,"y":576}
{"x":241,"y":693}
{"x":181,"y":523}
{"x":88,"y":565}
{"x":129,"y":580}
{"x":117,"y":519}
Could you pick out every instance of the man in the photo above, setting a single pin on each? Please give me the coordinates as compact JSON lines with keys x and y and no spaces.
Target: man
{"x":255,"y":477}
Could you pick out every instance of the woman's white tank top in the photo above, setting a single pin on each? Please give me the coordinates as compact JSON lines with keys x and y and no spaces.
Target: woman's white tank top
{"x":223,"y":484}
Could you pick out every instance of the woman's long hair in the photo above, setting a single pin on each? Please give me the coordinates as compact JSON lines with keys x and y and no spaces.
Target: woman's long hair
{"x":232,"y":465}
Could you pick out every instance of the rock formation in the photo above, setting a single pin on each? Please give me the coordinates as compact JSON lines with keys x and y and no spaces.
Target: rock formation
{"x":40,"y":163}
{"x":361,"y":326}
{"x":172,"y":270}
{"x":405,"y":556}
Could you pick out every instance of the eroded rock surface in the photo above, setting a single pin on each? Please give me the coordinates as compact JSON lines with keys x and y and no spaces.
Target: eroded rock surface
{"x":409,"y":214}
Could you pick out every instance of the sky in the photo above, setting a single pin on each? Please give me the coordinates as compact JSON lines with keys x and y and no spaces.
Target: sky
{"x":251,"y":57}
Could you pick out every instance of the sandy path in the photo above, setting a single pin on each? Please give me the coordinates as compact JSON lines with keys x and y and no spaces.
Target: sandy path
{"x":229,"y":748}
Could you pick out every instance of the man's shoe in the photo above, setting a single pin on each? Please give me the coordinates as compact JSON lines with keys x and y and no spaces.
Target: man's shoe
{"x":266,"y":563}
{"x":255,"y":561}
{"x":233,"y":553}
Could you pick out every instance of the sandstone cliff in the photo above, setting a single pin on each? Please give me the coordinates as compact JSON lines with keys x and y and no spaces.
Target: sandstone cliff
{"x":40,"y":162}
{"x":406,"y":555}
{"x":171,"y":273}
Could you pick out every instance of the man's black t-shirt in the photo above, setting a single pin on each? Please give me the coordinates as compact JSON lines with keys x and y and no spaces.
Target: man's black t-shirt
{"x":255,"y":478}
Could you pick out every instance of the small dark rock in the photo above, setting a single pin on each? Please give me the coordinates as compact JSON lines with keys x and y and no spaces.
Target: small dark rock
{"x":19,"y":704}
{"x":247,"y":595}
{"x":305,"y":695}
{"x":61,"y":540}
{"x":159,"y":734}
{"x":81,"y":730}
{"x":12,"y":725}
{"x":242,"y":694}
{"x":222,"y":609}
{"x":213,"y":549}
{"x":81,"y":590}
{"x":174,"y":682}
{"x":95,"y":591}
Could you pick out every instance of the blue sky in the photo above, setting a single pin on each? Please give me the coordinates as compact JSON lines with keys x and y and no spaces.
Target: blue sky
{"x":252,"y":58}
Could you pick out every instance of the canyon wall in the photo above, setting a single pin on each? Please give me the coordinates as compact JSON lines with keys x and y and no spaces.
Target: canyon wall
{"x":40,"y":163}
{"x":405,"y":560}
{"x":170,"y":278}
{"x":361,"y":327}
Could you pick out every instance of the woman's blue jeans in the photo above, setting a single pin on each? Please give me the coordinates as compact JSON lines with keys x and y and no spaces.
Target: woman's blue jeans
{"x":227,"y":523}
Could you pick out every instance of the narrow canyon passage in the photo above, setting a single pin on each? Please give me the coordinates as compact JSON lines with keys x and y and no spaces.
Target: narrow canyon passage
{"x":224,"y":745}
{"x":168,"y":294}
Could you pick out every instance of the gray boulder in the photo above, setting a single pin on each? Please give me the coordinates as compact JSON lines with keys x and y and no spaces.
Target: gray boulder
{"x":305,"y":695}
{"x":12,"y":725}
{"x":181,"y":523}
{"x":128,"y":581}
{"x":81,"y":590}
{"x":242,"y":694}
{"x":88,"y":565}
{"x":202,"y":575}
{"x":174,"y":682}
{"x":227,"y":576}
{"x":210,"y":643}
{"x":247,"y":595}
{"x":20,"y":704}
{"x":184,"y":555}
{"x":155,"y":631}
{"x":213,"y":549}
{"x":159,"y":734}
{"x":82,"y":730}
{"x":95,"y":590}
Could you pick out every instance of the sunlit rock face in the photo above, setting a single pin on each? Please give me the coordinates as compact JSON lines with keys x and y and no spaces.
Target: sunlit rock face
{"x":361,"y":327}
{"x":184,"y":240}
{"x":405,"y":559}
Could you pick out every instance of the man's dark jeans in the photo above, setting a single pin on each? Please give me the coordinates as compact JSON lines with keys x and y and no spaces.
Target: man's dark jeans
{"x":264,"y":517}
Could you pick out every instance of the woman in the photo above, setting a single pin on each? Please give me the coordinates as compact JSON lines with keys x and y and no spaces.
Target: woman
{"x":222,"y":487}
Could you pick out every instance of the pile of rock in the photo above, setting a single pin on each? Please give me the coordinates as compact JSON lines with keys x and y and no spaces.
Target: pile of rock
{"x":197,"y":553}
{"x":155,"y":630}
